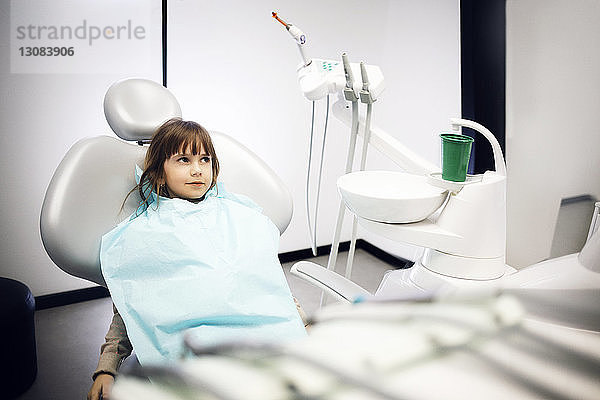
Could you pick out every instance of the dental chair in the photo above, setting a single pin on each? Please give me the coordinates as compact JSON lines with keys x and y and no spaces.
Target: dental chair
{"x":84,"y":199}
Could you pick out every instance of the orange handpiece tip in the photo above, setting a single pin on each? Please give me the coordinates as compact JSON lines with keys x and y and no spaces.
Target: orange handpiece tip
{"x":274,"y":14}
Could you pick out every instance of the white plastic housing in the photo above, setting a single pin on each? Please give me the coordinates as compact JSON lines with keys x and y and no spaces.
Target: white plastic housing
{"x":323,"y":77}
{"x":135,"y":107}
{"x":472,"y":225}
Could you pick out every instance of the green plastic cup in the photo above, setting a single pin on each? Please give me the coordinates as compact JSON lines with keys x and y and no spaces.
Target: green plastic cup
{"x":456,"y":150}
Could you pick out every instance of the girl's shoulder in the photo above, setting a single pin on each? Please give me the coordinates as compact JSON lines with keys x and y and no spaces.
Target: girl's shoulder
{"x":236,"y":197}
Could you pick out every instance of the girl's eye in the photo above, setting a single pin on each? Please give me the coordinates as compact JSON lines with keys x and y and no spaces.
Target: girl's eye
{"x":183,"y":159}
{"x":205,"y":159}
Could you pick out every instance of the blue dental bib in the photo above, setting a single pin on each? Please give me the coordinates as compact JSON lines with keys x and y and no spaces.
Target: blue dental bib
{"x":208,"y":269}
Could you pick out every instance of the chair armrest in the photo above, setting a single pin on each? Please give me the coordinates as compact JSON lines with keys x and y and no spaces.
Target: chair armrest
{"x":331,"y":282}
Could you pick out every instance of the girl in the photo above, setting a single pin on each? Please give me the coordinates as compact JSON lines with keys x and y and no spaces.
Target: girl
{"x":193,"y":259}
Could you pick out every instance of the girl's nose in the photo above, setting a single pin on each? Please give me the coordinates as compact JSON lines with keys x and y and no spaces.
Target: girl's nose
{"x":196,"y":171}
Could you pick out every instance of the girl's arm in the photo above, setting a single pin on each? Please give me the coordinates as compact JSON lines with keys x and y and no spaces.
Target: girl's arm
{"x":301,"y":312}
{"x":116,"y":348}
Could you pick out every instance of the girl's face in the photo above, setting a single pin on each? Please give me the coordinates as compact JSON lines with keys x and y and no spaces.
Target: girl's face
{"x":188,"y":176}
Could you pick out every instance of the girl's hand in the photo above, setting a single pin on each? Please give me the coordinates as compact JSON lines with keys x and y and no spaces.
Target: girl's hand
{"x":101,"y":387}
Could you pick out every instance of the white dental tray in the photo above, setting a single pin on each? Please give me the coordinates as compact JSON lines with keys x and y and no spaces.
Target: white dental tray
{"x":389,"y":196}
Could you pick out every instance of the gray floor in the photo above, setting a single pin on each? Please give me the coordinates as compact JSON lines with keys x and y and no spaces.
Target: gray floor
{"x":69,"y":337}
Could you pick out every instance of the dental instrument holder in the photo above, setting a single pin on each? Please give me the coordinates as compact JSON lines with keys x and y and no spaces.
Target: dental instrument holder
{"x":318,"y":78}
{"x":324,"y":77}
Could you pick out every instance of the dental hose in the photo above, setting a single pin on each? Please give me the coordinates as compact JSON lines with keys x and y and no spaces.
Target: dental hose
{"x":342,"y":208}
{"x":363,"y":162}
{"x":365,"y":97}
{"x":310,"y":146}
{"x":313,"y":229}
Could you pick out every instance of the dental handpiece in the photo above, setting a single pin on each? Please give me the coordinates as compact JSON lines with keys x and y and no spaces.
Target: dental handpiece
{"x":365,"y":94}
{"x":349,"y":89}
{"x":347,"y":71}
{"x":298,"y":36}
{"x":365,"y":77}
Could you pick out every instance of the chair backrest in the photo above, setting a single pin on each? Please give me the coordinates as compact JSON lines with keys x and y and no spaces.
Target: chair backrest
{"x":85,"y":195}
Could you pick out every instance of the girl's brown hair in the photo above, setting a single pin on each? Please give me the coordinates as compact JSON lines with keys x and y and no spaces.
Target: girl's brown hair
{"x":173,"y":137}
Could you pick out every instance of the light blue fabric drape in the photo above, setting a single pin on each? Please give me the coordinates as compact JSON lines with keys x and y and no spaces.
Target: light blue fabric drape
{"x":210,"y":269}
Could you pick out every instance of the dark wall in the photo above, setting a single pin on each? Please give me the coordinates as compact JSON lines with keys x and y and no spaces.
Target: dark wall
{"x":483,"y":74}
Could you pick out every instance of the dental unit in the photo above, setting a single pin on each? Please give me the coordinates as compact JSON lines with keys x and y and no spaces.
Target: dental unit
{"x":460,"y":225}
{"x":458,"y":247}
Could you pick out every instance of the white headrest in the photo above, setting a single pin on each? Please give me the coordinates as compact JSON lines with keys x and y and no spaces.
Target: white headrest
{"x":135,"y":108}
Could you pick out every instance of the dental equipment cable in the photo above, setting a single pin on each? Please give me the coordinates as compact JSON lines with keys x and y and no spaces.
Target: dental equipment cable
{"x":365,"y":97}
{"x":313,"y":240}
{"x":349,"y":95}
{"x":313,"y":229}
{"x":300,"y":40}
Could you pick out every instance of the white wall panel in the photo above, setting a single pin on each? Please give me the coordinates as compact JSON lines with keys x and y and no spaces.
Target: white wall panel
{"x":552,"y":118}
{"x":50,"y":103}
